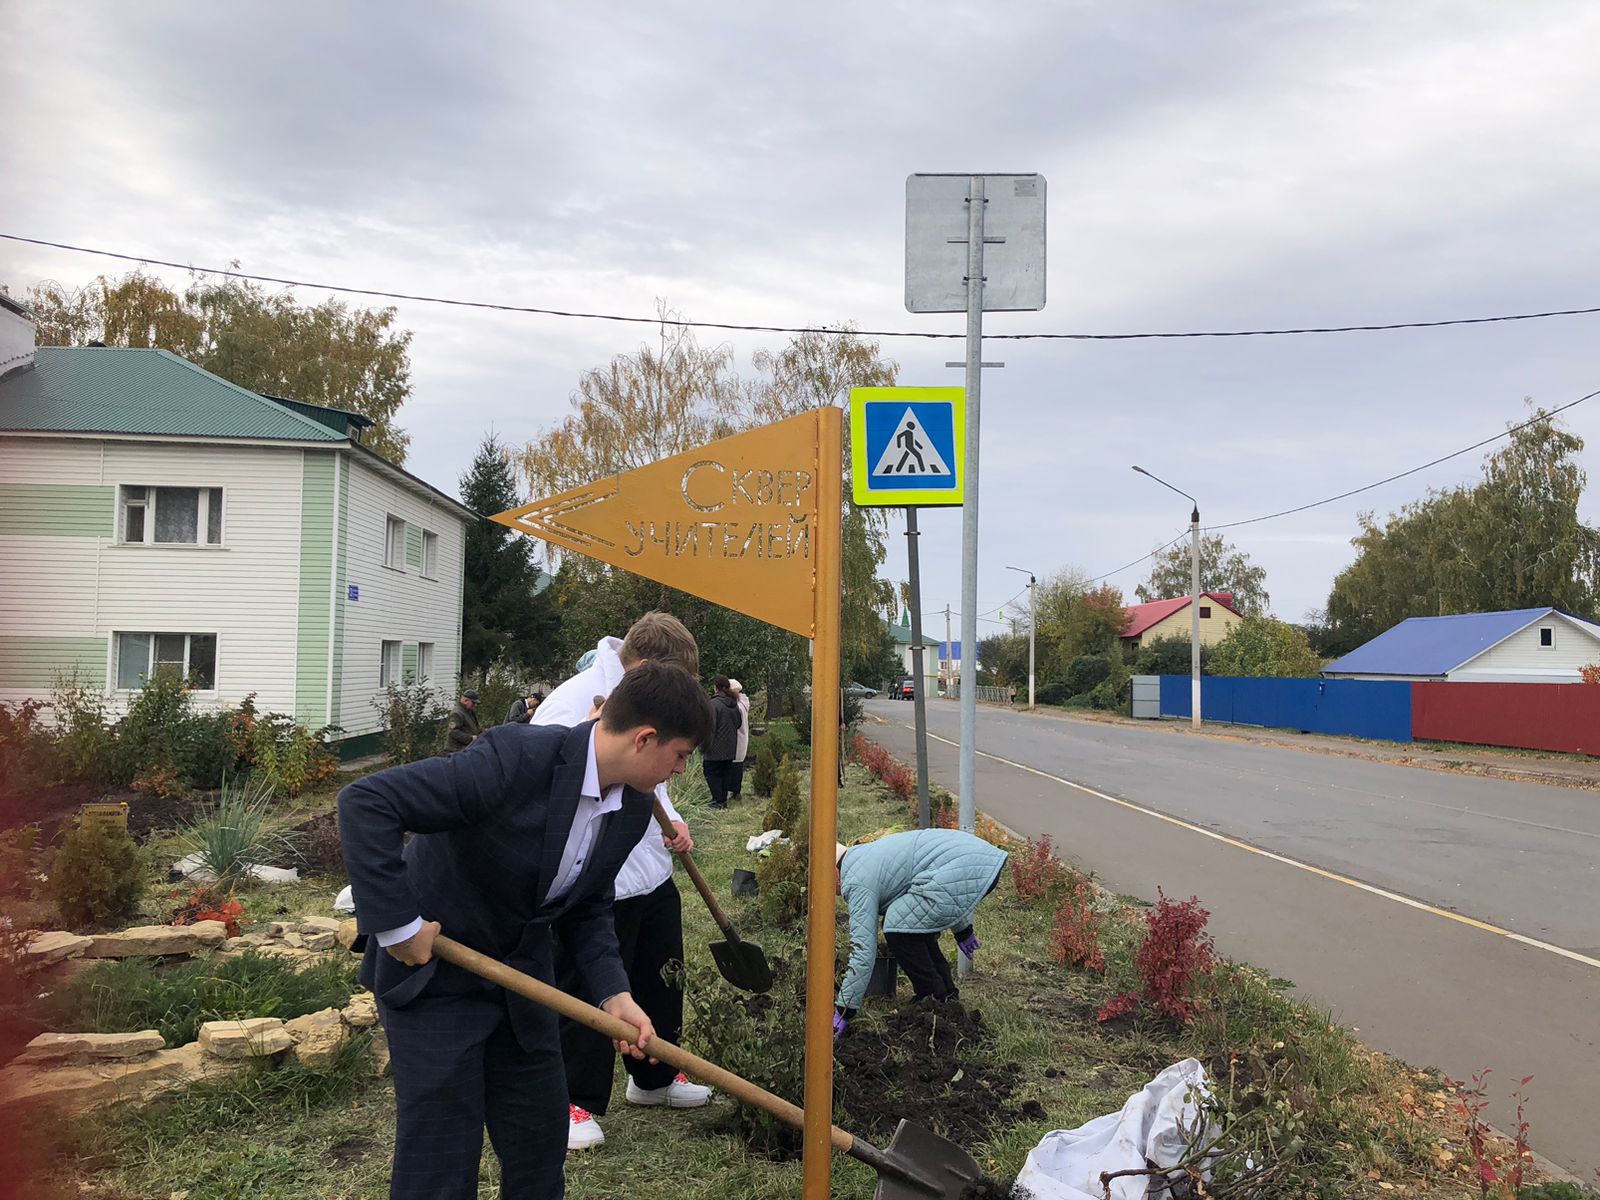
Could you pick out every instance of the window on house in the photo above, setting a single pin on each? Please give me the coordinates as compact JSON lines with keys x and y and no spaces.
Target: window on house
{"x":1547,"y":637}
{"x":389,"y":664}
{"x":1205,"y":612}
{"x":189,"y":656}
{"x":430,"y":555}
{"x":394,"y":544}
{"x":424,"y":661}
{"x":172,"y":516}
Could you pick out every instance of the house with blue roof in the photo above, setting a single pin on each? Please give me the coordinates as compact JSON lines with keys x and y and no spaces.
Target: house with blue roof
{"x":154,"y":516}
{"x":1524,"y":645}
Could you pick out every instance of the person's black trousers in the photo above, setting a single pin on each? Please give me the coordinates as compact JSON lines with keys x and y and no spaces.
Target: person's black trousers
{"x":719,"y":774}
{"x":649,"y":936}
{"x":924,"y":963}
{"x":459,"y":1066}
{"x":735,"y":779}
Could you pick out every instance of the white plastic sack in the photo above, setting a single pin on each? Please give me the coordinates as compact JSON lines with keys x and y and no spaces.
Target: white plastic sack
{"x":345,"y":901}
{"x":188,"y":867}
{"x":762,"y":840}
{"x":1067,"y":1163}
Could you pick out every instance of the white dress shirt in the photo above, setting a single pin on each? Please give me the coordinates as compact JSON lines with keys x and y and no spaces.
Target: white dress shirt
{"x":650,"y":864}
{"x":592,"y":805}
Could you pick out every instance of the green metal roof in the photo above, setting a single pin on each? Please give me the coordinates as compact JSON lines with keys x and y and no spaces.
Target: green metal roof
{"x":96,"y":389}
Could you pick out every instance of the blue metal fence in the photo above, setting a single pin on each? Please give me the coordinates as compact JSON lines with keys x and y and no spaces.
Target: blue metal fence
{"x":1347,"y":707}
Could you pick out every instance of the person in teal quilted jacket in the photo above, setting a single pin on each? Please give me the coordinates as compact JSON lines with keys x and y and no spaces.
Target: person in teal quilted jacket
{"x":920,"y":884}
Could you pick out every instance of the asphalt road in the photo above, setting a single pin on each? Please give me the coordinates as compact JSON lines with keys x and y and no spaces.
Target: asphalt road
{"x":1363,"y":882}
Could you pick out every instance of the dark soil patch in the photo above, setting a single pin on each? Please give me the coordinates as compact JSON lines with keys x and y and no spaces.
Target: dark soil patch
{"x":351,"y":1150}
{"x":994,"y":1189}
{"x":931,"y":1064}
{"x":47,"y":807}
{"x":153,"y":814}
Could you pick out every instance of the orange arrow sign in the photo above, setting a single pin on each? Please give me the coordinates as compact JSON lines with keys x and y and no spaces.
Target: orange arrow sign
{"x":734,"y":522}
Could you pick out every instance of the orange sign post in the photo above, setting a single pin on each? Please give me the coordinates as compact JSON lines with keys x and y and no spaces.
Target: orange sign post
{"x":751,"y":522}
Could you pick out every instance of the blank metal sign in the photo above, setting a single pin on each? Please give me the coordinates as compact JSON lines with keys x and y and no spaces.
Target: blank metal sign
{"x":936,"y":237}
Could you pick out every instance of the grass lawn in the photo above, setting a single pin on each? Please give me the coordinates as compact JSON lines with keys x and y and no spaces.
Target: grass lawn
{"x":288,"y":1133}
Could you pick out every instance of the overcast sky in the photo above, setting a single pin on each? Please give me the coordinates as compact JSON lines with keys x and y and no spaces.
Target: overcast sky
{"x":1210,"y":166}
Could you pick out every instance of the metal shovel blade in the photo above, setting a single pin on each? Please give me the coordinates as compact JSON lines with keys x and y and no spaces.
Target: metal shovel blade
{"x":743,"y":964}
{"x":923,"y":1164}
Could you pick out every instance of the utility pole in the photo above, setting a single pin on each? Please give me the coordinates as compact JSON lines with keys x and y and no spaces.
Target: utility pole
{"x":1194,"y":596}
{"x":949,"y":649}
{"x":1033,"y":625}
{"x":919,"y":701}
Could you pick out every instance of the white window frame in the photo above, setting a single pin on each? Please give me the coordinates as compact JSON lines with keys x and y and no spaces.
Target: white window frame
{"x":127,"y":498}
{"x":391,"y":526}
{"x":150,"y":657}
{"x":424,"y":661}
{"x":1551,"y":630}
{"x":430,"y":555}
{"x":389,"y":672}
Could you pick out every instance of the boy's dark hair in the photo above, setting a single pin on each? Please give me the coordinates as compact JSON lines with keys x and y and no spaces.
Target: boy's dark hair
{"x":662,"y":695}
{"x":722,"y":683}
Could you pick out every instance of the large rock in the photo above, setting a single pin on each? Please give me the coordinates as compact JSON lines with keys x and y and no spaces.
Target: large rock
{"x":254,"y":1037}
{"x":347,"y":933}
{"x":49,"y":1046}
{"x":380,"y":1053}
{"x":311,"y":925}
{"x":362,"y":1011}
{"x":318,"y":1037}
{"x":56,"y":945}
{"x":94,"y":1084}
{"x":320,"y":943}
{"x":157,"y":940}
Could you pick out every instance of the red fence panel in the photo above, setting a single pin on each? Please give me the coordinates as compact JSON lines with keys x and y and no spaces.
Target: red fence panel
{"x":1531,"y":716}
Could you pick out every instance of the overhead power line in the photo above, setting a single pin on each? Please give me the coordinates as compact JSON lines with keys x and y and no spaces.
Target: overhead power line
{"x":732,"y":326}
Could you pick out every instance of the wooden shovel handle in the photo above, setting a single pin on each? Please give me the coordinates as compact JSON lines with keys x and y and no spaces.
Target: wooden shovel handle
{"x":736,"y":1086}
{"x":704,"y":888}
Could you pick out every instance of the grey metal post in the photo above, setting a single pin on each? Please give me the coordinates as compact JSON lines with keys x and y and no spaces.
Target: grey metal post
{"x":1194,"y":619}
{"x":918,"y":699}
{"x":1033,"y":625}
{"x":969,"y":513}
{"x":944,"y":659}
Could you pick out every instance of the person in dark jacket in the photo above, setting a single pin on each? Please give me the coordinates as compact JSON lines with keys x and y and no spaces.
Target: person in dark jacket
{"x":463,"y":726}
{"x":518,"y":839}
{"x":717,"y":756}
{"x":522,"y":711}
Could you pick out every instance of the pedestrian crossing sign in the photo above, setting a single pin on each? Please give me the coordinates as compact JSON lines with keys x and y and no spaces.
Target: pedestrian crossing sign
{"x":907,"y":444}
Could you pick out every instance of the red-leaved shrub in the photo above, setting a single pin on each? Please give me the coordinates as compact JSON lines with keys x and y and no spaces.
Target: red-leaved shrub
{"x":1036,"y":871}
{"x":1076,"y":937}
{"x":1175,"y":955}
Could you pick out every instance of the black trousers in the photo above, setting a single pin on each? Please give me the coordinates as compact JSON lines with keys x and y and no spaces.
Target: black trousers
{"x":924,"y":963}
{"x":735,"y":779}
{"x":649,"y":935}
{"x":719,"y":773}
{"x":458,"y":1066}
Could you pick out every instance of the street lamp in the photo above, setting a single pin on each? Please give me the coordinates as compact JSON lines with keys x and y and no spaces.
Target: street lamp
{"x":1033,"y":623}
{"x":1194,"y":596}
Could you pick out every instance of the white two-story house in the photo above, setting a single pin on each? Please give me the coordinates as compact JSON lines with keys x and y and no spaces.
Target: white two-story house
{"x":153,"y":515}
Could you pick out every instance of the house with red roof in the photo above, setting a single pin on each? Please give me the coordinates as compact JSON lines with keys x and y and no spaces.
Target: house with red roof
{"x":1172,"y":618}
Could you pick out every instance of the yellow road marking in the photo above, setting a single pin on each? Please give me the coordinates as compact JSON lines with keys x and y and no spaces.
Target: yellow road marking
{"x":1288,"y":862}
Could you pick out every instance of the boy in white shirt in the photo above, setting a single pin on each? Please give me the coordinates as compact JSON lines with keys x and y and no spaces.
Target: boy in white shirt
{"x":648,"y":911}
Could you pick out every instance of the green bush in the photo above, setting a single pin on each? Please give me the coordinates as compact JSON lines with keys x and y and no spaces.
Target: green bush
{"x":1169,"y":656}
{"x":288,"y":756}
{"x":851,"y":709}
{"x":1087,"y":672}
{"x":413,"y":721}
{"x":86,"y":746}
{"x":138,"y":993}
{"x":781,"y":876}
{"x":501,"y":686}
{"x":764,"y":776}
{"x":786,"y":808}
{"x":1104,"y":696}
{"x":1054,"y":692}
{"x":234,"y":837}
{"x":27,"y":759}
{"x":97,"y":877}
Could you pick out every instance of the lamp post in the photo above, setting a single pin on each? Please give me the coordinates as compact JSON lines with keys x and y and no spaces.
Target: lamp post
{"x":1033,"y":623}
{"x":1194,"y":596}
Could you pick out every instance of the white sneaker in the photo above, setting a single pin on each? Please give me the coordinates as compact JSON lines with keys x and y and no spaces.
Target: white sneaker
{"x":680,"y":1093}
{"x":583,"y":1131}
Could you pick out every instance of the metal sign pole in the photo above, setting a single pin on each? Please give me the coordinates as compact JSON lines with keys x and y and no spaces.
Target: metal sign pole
{"x":969,"y":514}
{"x":918,"y":699}
{"x":816,"y":1143}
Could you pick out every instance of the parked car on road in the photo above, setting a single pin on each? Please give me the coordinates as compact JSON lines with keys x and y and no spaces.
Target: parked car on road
{"x":861,"y":690}
{"x":903,"y":688}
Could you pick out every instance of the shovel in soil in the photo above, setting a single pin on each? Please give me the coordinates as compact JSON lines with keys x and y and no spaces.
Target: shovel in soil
{"x":743,"y":964}
{"x":917,"y":1165}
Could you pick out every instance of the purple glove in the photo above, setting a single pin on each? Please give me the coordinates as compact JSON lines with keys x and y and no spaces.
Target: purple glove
{"x":838,"y":1024}
{"x":969,"y":945}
